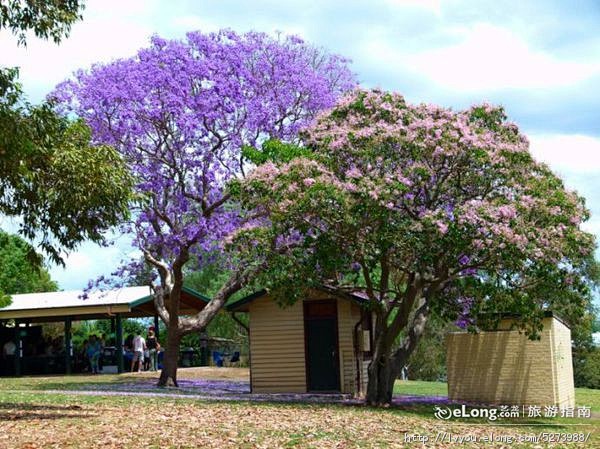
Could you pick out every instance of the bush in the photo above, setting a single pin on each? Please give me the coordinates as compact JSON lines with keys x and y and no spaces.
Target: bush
{"x":587,"y":368}
{"x":428,"y":361}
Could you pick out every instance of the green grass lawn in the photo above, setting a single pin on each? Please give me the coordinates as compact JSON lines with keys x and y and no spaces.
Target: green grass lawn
{"x":33,"y":417}
{"x":420,"y":388}
{"x":583,"y":396}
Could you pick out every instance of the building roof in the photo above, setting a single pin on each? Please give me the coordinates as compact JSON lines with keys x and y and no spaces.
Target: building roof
{"x":514,"y":316}
{"x":73,"y":298}
{"x":242,"y":304}
{"x":509,"y":318}
{"x":131,"y":301}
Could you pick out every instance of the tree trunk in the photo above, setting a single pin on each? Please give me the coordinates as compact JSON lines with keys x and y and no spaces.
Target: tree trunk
{"x":177,"y":326}
{"x":387,"y":363}
{"x":380,"y":387}
{"x":168,"y":375}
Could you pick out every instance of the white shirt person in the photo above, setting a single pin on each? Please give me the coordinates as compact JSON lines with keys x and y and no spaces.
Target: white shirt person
{"x":139,"y":346}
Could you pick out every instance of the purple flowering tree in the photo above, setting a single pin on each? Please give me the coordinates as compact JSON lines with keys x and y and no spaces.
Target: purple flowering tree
{"x":421,"y":209}
{"x":180,"y":112}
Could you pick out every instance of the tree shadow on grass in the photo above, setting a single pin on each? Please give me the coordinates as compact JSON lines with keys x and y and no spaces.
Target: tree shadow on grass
{"x":76,"y":382}
{"x":33,"y":412}
{"x":31,"y":407}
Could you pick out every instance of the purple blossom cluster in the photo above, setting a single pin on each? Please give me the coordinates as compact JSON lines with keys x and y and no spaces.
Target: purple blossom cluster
{"x":465,"y":319}
{"x":180,"y":111}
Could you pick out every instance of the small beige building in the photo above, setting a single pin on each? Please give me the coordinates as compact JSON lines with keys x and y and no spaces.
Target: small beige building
{"x":321,"y":344}
{"x":505,"y":367}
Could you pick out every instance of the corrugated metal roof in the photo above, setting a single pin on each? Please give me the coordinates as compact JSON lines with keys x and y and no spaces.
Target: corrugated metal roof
{"x":55,"y":300}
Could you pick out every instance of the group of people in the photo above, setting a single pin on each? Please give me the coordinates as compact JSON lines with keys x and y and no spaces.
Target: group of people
{"x":44,"y":347}
{"x":144,"y":351}
{"x":89,"y":357}
{"x":42,"y":354}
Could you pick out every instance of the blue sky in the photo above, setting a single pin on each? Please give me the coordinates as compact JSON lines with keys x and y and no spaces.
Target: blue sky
{"x":540,"y":59}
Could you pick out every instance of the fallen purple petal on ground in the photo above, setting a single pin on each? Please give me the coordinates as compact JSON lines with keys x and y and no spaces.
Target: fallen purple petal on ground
{"x":229,"y":390}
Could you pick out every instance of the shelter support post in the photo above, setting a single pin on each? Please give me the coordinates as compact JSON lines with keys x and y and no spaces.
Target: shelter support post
{"x":68,"y":345}
{"x":19,"y":345}
{"x":119,"y":343}
{"x":203,"y":348}
{"x":156,"y":323}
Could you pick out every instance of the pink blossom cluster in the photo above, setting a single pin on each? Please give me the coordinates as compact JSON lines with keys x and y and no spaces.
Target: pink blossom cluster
{"x":454,"y":184}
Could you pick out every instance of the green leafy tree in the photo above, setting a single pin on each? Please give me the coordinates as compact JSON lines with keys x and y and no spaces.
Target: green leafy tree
{"x":64,"y":188}
{"x":428,"y":361}
{"x":22,"y":270}
{"x":587,"y":369}
{"x":49,"y":19}
{"x":131,"y":326}
{"x":585,"y":359}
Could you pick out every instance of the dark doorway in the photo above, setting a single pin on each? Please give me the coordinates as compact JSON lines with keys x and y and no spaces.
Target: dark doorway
{"x":321,"y":343}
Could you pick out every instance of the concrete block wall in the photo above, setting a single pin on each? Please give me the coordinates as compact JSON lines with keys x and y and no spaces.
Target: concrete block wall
{"x":565,"y":386}
{"x":505,"y":367}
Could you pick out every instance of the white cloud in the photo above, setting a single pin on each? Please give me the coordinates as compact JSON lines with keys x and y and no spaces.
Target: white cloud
{"x":193,"y":22}
{"x":430,"y":5}
{"x":485,"y":57}
{"x":184,"y":23}
{"x":572,"y":153}
{"x":90,"y":261}
{"x":111,"y":29}
{"x":87,"y":263}
{"x":592,"y":226}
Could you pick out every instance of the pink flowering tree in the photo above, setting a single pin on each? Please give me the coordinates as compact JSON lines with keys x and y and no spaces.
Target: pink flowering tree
{"x":180,"y":112}
{"x":421,"y":209}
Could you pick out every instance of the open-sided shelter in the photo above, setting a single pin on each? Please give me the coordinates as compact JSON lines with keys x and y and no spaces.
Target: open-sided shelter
{"x":319,"y":344}
{"x":68,"y":306}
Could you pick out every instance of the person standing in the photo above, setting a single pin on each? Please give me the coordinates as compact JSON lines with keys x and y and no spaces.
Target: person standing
{"x":153,"y":347}
{"x":9,"y":349}
{"x":84,"y":356}
{"x":139,"y":346}
{"x":102,"y":344}
{"x":93,"y":353}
